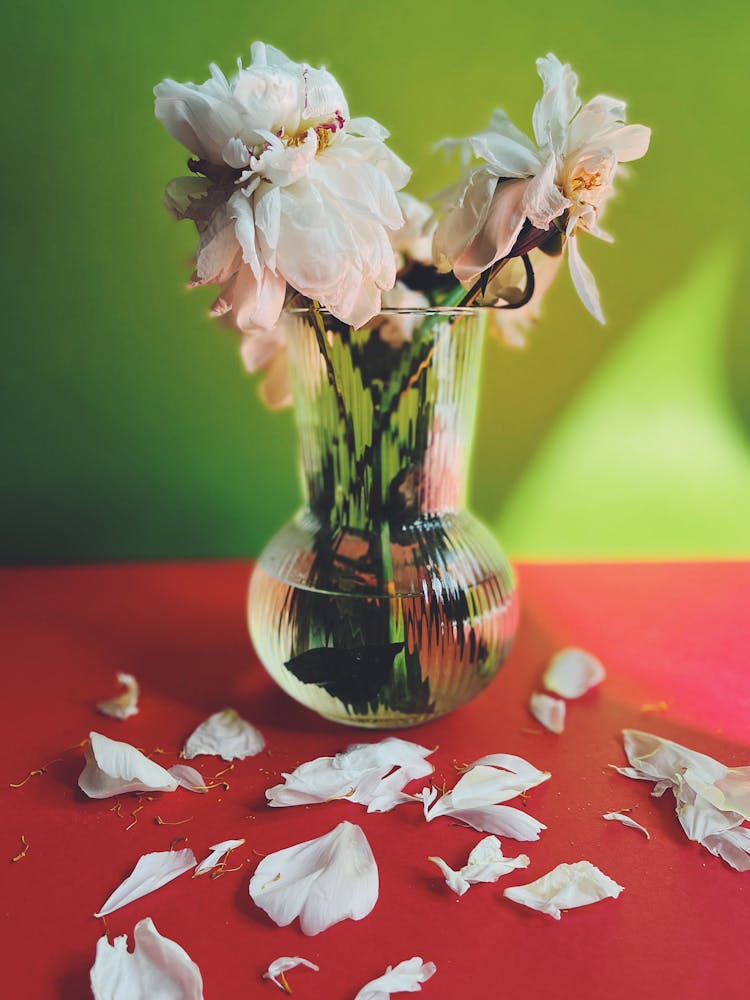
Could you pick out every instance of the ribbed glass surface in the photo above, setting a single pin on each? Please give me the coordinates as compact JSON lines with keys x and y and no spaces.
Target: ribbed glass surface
{"x":384,"y":603}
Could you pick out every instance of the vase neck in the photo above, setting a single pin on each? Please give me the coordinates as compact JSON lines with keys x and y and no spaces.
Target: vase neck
{"x":385,"y":415}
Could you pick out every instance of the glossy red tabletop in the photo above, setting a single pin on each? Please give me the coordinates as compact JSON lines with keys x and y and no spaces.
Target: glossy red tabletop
{"x":677,"y":634}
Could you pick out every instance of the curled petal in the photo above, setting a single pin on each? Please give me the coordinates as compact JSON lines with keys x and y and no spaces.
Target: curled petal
{"x":218,"y":851}
{"x":558,"y":104}
{"x":157,"y":967}
{"x":123,"y":705}
{"x":550,"y":712}
{"x":321,"y":881}
{"x":187,"y":777}
{"x":572,"y":672}
{"x":113,"y":768}
{"x":486,"y":863}
{"x":627,"y":821}
{"x":499,"y":231}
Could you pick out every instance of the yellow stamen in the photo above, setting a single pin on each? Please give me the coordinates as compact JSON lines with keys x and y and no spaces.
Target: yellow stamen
{"x":22,"y":853}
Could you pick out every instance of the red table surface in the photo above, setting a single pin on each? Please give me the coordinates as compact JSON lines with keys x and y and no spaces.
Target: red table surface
{"x":666,"y":632}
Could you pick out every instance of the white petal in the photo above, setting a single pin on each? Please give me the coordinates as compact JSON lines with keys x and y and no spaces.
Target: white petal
{"x":224,"y":734}
{"x":507,"y":156}
{"x":150,"y":873}
{"x":284,"y":964}
{"x":276,"y":388}
{"x":156,"y":968}
{"x":188,"y":777}
{"x":733,"y":846}
{"x":543,"y":201}
{"x":321,"y":881}
{"x":572,"y":672}
{"x":564,"y":888}
{"x":113,"y":768}
{"x":550,"y":712}
{"x":513,"y":776}
{"x":453,"y":879}
{"x":556,"y":108}
{"x":486,"y":863}
{"x":583,"y":280}
{"x":627,"y":821}
{"x":406,"y":977}
{"x":323,"y":96}
{"x":463,"y":221}
{"x":505,"y":821}
{"x":499,"y":231}
{"x":218,"y":851}
{"x":218,"y":249}
{"x":201,"y":117}
{"x":123,"y":705}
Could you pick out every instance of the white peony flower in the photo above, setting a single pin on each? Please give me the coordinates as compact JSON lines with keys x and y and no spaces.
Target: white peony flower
{"x":557,"y":184}
{"x":321,"y":881}
{"x":156,"y":968}
{"x":295,"y":192}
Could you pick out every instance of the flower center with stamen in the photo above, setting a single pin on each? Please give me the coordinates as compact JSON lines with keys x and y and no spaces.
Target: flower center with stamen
{"x":584,"y":181}
{"x":324,"y":131}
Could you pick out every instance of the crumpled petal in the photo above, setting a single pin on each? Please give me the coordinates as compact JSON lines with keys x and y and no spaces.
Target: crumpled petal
{"x":572,"y":672}
{"x":712,"y":800}
{"x":406,"y":977}
{"x":113,"y":768}
{"x":187,"y":777}
{"x":627,"y":821}
{"x":281,"y":965}
{"x":224,"y":734}
{"x":565,"y":888}
{"x":321,"y":881}
{"x":218,"y":851}
{"x":486,"y":863}
{"x":150,"y":873}
{"x":549,"y":712}
{"x":371,"y":774}
{"x":123,"y":705}
{"x":156,"y":968}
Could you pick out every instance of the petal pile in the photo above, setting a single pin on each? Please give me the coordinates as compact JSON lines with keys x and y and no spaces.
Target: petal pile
{"x":406,"y":977}
{"x":565,"y":888}
{"x":150,"y":873}
{"x":224,"y":734}
{"x":113,"y":768}
{"x":486,"y":863}
{"x":157,"y":967}
{"x":712,"y":800}
{"x":321,"y":881}
{"x":477,"y":796}
{"x":123,"y":705}
{"x":371,"y":774}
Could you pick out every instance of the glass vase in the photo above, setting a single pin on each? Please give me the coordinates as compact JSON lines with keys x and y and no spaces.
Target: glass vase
{"x":384,"y":603}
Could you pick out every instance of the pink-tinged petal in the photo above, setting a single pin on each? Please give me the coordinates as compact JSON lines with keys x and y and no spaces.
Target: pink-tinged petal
{"x":257,"y":303}
{"x":156,"y":968}
{"x":583,"y":281}
{"x":502,"y":225}
{"x":462,"y":223}
{"x":187,"y":777}
{"x":276,"y":388}
{"x":558,"y":104}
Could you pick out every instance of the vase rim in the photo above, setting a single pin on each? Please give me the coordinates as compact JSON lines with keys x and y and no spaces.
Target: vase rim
{"x":399,"y":311}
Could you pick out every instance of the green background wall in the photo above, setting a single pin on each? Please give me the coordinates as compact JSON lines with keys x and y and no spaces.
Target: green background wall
{"x":130,"y":428}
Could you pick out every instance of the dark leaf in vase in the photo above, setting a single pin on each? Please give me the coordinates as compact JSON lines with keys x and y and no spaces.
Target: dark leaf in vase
{"x":353,"y":675}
